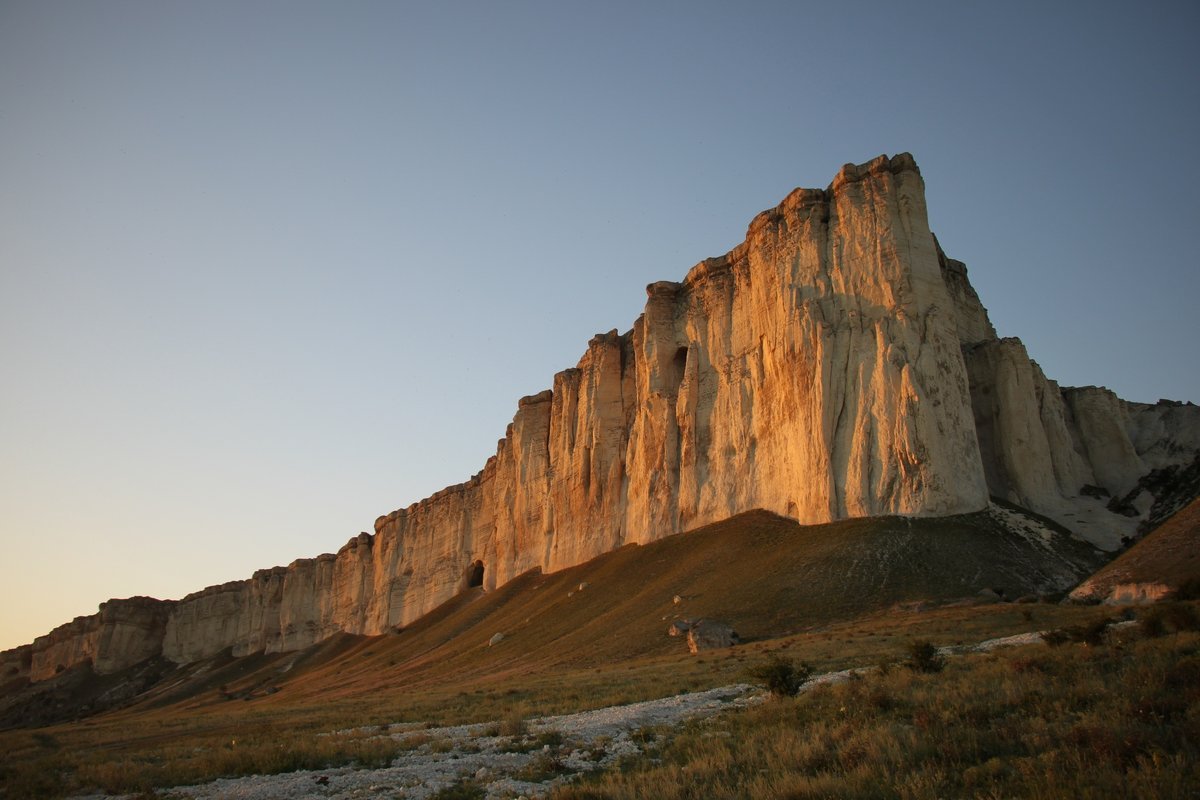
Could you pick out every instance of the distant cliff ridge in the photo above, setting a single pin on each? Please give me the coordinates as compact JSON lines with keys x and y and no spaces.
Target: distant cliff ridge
{"x":836,"y":364}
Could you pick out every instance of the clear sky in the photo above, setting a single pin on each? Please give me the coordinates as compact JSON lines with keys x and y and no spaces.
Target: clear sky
{"x":269,"y":270}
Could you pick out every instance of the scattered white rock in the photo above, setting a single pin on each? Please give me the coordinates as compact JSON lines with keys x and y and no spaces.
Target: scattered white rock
{"x":590,"y":740}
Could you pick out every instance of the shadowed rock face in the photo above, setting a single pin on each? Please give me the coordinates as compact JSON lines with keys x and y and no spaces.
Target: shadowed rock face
{"x":1064,"y":452}
{"x":834,"y":365}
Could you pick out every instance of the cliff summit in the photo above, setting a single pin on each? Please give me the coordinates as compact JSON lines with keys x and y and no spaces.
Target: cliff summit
{"x":834,"y":365}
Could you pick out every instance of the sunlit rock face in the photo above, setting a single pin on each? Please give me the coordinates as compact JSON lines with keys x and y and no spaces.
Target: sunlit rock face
{"x":814,"y":371}
{"x":835,"y":364}
{"x":122,"y":633}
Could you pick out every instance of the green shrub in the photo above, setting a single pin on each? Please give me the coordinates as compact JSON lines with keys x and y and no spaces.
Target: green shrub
{"x":782,"y":677}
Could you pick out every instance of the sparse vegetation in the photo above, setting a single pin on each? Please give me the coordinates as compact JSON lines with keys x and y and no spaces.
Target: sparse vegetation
{"x":436,"y":671}
{"x":1073,"y":721}
{"x":514,"y":723}
{"x":542,"y":768}
{"x":782,"y":677}
{"x":131,"y":751}
{"x":923,"y":656}
{"x":461,"y":790}
{"x":1091,"y":633}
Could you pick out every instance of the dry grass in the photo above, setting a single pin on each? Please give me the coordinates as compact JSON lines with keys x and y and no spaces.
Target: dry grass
{"x":1120,"y":719}
{"x":816,"y":594}
{"x":141,"y":748}
{"x":1167,"y":555}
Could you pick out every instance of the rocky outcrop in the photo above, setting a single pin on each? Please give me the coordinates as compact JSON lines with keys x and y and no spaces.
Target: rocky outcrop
{"x":1137,"y":594}
{"x":814,"y":371}
{"x":1065,"y":453}
{"x":122,"y":633}
{"x":709,"y":634}
{"x":836,"y":364}
{"x":15,"y":663}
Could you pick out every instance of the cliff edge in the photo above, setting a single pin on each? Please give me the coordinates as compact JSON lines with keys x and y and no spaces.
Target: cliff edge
{"x":834,"y":365}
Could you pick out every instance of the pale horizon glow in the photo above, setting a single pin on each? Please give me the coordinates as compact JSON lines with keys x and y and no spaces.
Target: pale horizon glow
{"x":271,"y":270}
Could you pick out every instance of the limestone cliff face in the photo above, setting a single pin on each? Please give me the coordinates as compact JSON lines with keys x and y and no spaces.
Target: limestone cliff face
{"x":1064,"y":453}
{"x":835,"y":364}
{"x":122,"y":633}
{"x":814,"y":371}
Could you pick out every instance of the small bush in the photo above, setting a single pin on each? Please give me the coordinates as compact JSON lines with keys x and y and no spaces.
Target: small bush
{"x":1150,"y":623}
{"x":1091,"y":634}
{"x":782,"y":677}
{"x":462,"y":790}
{"x":550,"y":738}
{"x":1188,"y":590}
{"x":46,"y":740}
{"x":1055,"y":638}
{"x":514,"y":724}
{"x":644,"y":735}
{"x":543,"y":768}
{"x":1180,"y":616}
{"x":1184,"y":676}
{"x":923,"y":657}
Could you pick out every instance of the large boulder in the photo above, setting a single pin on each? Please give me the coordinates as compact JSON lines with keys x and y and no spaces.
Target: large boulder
{"x":709,"y":634}
{"x":680,"y":627}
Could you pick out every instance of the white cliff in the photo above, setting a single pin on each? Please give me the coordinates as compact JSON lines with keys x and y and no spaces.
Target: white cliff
{"x":834,"y":365}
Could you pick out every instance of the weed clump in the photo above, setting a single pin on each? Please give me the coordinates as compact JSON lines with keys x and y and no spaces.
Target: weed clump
{"x":923,"y":656}
{"x":1091,"y":634}
{"x":545,"y":767}
{"x":462,"y":790}
{"x":1164,"y":618}
{"x":514,"y":724}
{"x":783,"y":677}
{"x":1188,"y":590}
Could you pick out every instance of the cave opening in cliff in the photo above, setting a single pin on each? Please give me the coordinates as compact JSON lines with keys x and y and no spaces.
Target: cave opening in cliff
{"x":679,"y":365}
{"x":475,"y":575}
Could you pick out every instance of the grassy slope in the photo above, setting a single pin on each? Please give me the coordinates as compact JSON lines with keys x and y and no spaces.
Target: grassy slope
{"x":825,"y":591}
{"x":1120,"y":718}
{"x":1168,"y":555}
{"x":767,"y":576}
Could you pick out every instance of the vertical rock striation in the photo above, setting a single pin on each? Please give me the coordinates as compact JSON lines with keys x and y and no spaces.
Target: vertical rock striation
{"x":121,"y":634}
{"x":814,"y":371}
{"x":835,"y":364}
{"x":1068,"y":454}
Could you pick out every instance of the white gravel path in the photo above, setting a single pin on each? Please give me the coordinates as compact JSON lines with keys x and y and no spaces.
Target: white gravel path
{"x":586,"y":741}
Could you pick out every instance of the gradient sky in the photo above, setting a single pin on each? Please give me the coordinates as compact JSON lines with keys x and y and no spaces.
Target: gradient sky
{"x":269,"y":270}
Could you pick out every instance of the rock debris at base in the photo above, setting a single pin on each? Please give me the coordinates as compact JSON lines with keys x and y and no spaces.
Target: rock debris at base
{"x":590,"y":740}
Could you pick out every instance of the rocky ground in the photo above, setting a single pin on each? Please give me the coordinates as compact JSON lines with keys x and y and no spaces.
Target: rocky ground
{"x":549,"y":752}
